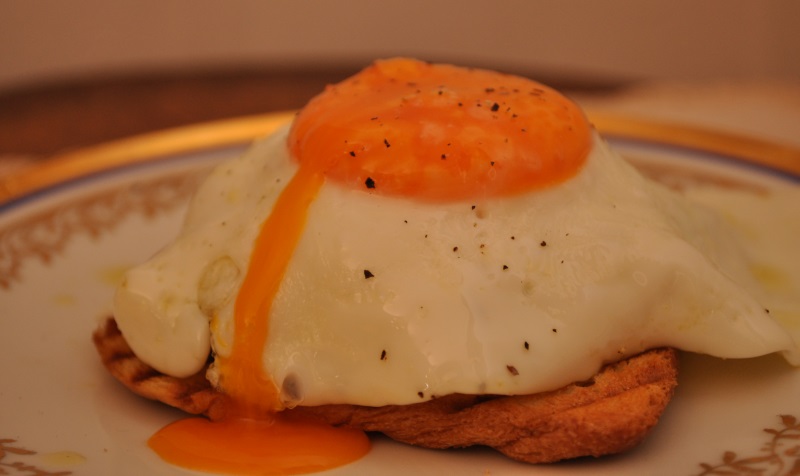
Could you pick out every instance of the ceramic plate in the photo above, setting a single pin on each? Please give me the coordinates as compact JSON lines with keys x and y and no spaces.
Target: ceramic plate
{"x":69,"y":227}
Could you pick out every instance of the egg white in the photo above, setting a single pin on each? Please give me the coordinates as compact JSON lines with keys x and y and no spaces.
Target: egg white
{"x":388,"y":300}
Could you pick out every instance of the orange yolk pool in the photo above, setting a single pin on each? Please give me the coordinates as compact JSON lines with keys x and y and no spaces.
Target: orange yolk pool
{"x":257,"y":447}
{"x":403,"y":128}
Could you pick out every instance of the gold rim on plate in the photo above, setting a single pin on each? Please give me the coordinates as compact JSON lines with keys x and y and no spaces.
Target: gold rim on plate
{"x":156,"y":145}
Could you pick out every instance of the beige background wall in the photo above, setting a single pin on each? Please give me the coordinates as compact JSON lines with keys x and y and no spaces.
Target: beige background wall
{"x":42,"y":41}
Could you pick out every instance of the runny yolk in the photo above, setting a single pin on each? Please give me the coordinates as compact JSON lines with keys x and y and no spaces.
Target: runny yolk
{"x":400,"y":128}
{"x":257,"y":447}
{"x":253,"y":436}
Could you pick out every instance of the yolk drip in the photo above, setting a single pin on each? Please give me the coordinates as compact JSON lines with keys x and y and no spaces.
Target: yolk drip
{"x":257,"y":447}
{"x":400,"y":127}
{"x":241,"y":375}
{"x":441,"y":132}
{"x":252,"y":437}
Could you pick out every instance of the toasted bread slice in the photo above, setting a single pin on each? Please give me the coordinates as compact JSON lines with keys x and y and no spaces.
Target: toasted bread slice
{"x":608,"y":414}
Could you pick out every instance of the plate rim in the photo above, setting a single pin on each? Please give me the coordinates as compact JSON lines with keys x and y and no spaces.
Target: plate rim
{"x":157,"y":145}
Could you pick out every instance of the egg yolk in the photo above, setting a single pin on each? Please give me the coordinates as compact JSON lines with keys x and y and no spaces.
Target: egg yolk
{"x":441,"y":132}
{"x":257,"y":447}
{"x":403,"y":128}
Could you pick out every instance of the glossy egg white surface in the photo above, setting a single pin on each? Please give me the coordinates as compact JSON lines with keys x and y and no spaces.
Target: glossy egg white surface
{"x":388,"y":300}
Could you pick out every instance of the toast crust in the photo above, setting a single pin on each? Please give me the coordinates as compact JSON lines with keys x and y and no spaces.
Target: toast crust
{"x":610,"y":413}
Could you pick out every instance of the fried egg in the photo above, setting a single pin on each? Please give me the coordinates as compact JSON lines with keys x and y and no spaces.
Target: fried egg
{"x":421,"y":230}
